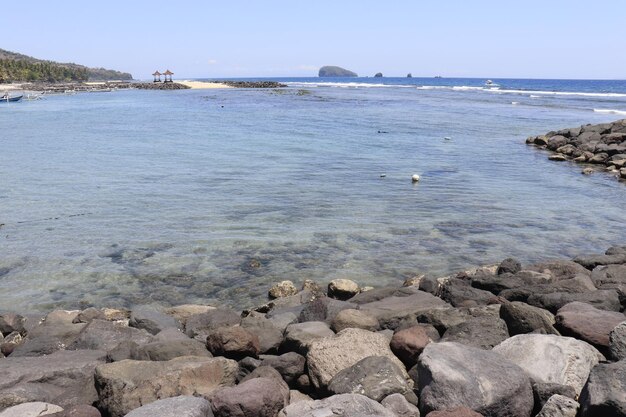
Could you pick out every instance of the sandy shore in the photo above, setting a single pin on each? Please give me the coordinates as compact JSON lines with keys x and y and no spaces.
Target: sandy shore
{"x":202,"y":84}
{"x":10,"y":87}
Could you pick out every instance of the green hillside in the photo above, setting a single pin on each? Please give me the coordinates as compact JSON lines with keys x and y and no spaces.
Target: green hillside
{"x":15,"y":67}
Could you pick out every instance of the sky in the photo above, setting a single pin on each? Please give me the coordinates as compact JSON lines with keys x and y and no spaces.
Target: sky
{"x":278,"y":38}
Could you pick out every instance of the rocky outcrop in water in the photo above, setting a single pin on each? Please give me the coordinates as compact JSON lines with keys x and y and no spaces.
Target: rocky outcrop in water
{"x":601,"y":147}
{"x":334,"y":71}
{"x":505,"y":340}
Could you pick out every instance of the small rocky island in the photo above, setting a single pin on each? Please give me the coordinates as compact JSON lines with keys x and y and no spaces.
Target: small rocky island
{"x":547,"y":339}
{"x":334,"y":71}
{"x":599,"y":147}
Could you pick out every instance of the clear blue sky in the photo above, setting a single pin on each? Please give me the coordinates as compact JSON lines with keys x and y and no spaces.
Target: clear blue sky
{"x":236,"y":38}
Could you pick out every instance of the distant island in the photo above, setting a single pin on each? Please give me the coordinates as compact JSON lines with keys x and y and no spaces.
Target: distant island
{"x":15,"y":67}
{"x":378,"y":75}
{"x":333,"y":71}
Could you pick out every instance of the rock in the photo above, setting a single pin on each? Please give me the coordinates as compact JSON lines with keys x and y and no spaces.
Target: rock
{"x":290,"y":365}
{"x":257,"y":397}
{"x":556,"y":142}
{"x":459,"y":293}
{"x":183,"y":312}
{"x":453,"y":375}
{"x":604,"y":394}
{"x":233,"y":342}
{"x":166,"y":350}
{"x":550,"y":358}
{"x":324,"y":309}
{"x":181,"y":406}
{"x":559,"y":269}
{"x":282,"y":320}
{"x":10,"y":342}
{"x":587,"y":323}
{"x":397,"y":404}
{"x":408,"y":344}
{"x":351,"y":318}
{"x":413,"y":281}
{"x":375,"y":377}
{"x":480,"y":332}
{"x":509,"y":265}
{"x":299,"y":336}
{"x":295,"y":396}
{"x":64,"y":378}
{"x":343,"y":405}
{"x":80,"y":410}
{"x":590,"y":262}
{"x":455,"y":412}
{"x":334,"y":71}
{"x":390,"y":311}
{"x":282,"y":289}
{"x":88,"y":315}
{"x":588,"y":171}
{"x":10,"y":322}
{"x":56,"y":332}
{"x":602,"y":299}
{"x":199,"y":326}
{"x":522,"y":318}
{"x":622,"y":173}
{"x":617,"y":342}
{"x":270,"y":373}
{"x":31,"y":409}
{"x":543,"y":391}
{"x":342,"y":289}
{"x":559,"y":406}
{"x":106,"y":335}
{"x":116,"y":314}
{"x":599,"y":158}
{"x":270,"y":337}
{"x":126,"y":385}
{"x":151,"y":319}
{"x":557,"y":157}
{"x":444,"y":318}
{"x":328,"y":356}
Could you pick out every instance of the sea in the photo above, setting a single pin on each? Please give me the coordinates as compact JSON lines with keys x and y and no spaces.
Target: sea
{"x":211,"y":196}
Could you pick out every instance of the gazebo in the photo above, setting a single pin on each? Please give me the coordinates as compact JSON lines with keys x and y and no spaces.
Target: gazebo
{"x":157,"y":77}
{"x":166,"y":73}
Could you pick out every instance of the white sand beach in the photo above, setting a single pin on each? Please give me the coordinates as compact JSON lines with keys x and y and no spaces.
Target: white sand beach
{"x":202,"y":84}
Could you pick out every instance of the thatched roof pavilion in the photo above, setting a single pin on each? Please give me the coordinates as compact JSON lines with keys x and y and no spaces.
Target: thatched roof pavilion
{"x":157,"y":76}
{"x":166,"y":73}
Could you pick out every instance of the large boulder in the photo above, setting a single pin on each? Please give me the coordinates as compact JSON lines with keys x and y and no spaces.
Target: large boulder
{"x":54,"y":333}
{"x":587,"y":323}
{"x":602,"y":299}
{"x":299,"y":336}
{"x":342,"y":405}
{"x":126,"y":385}
{"x":559,"y":269}
{"x":481,"y":332}
{"x":31,"y":409}
{"x":398,"y":404}
{"x":550,"y":358}
{"x":323,"y":309}
{"x":328,"y":356}
{"x":522,"y":318}
{"x":392,"y":310}
{"x":199,"y":326}
{"x":152,"y":319}
{"x":342,"y":289}
{"x":617,"y":342}
{"x":256,"y":397}
{"x":282,"y":289}
{"x":454,"y":375}
{"x":290,"y":365}
{"x":165,"y":350}
{"x":270,"y":336}
{"x":357,"y":319}
{"x":376,"y":377}
{"x":460,"y":293}
{"x":233,"y":342}
{"x":181,"y":406}
{"x":455,"y":412}
{"x":604,"y":394}
{"x":407,"y":344}
{"x":107,"y":335}
{"x":64,"y":378}
{"x":184,"y":311}
{"x":559,"y":406}
{"x":543,"y":391}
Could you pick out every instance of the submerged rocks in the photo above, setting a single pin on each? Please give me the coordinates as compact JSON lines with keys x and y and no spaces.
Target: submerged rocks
{"x":454,"y":375}
{"x":550,"y":358}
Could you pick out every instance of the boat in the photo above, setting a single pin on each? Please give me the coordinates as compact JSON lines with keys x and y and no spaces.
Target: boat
{"x":8,"y":98}
{"x":490,"y":83}
{"x":32,"y":97}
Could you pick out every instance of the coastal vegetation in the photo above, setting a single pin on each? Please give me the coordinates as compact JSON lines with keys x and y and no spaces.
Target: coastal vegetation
{"x":15,"y":67}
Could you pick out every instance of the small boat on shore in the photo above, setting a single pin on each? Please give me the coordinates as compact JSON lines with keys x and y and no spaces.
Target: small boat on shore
{"x":7,"y":98}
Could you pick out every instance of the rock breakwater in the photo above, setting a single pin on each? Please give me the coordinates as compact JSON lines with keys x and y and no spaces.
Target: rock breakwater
{"x":601,"y":146}
{"x":502,"y":340}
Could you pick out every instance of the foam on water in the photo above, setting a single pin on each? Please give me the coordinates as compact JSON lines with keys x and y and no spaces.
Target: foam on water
{"x":610,"y":111}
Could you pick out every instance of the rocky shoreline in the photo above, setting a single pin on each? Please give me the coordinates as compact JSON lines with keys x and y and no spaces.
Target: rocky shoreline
{"x":126,"y":85}
{"x":601,"y":146}
{"x":547,"y":339}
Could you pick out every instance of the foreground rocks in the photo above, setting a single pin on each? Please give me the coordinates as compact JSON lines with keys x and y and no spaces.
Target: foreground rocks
{"x":509,"y":339}
{"x":603,"y":145}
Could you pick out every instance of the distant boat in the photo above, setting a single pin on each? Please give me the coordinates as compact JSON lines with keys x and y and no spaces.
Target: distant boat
{"x":438,"y":76}
{"x":8,"y":98}
{"x":490,"y":83}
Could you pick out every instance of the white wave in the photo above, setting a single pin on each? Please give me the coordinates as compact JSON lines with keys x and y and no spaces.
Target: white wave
{"x":515,"y":103}
{"x":534,"y":96}
{"x":610,"y":111}
{"x":532,"y":93}
{"x":344,"y":85}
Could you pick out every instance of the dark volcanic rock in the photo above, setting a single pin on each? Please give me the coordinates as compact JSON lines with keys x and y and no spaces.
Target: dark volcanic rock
{"x":617,"y":342}
{"x":604,"y":394}
{"x":543,"y":391}
{"x":233,"y":342}
{"x":55,"y":333}
{"x":522,"y":318}
{"x":408,"y":344}
{"x":299,"y":336}
{"x":509,"y":265}
{"x":257,"y":397}
{"x":392,"y":310}
{"x":559,"y":269}
{"x":587,"y":323}
{"x":453,"y":375}
{"x":602,"y":299}
{"x":290,"y":365}
{"x":151,"y":319}
{"x":270,"y":337}
{"x":200,"y":325}
{"x":480,"y":332}
{"x":323,"y":309}
{"x":164,"y":350}
{"x":459,"y":293}
{"x":107,"y":335}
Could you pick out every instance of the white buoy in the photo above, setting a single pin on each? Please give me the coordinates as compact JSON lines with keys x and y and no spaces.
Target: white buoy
{"x":383,"y":175}
{"x":415,"y":178}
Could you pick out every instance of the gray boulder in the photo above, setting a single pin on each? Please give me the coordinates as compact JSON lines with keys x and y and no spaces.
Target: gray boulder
{"x":481,"y":332}
{"x":460,"y":293}
{"x":290,"y":365}
{"x":328,"y":356}
{"x":392,"y":310}
{"x":522,"y":318}
{"x":550,"y":358}
{"x":54,"y":333}
{"x":128,"y":384}
{"x":233,"y":342}
{"x":559,"y":406}
{"x":343,"y":405}
{"x":181,"y":406}
{"x":11,"y":322}
{"x":617,"y":342}
{"x":397,"y":404}
{"x":64,"y":378}
{"x":152,"y":319}
{"x":559,"y":269}
{"x":31,"y":409}
{"x":342,"y":289}
{"x":170,"y":349}
{"x":270,"y":337}
{"x":198,"y":326}
{"x":601,"y":299}
{"x":107,"y":335}
{"x":543,"y":391}
{"x":444,"y":318}
{"x":454,"y":375}
{"x":257,"y":397}
{"x":282,"y":289}
{"x":376,"y":377}
{"x":323,"y":309}
{"x":357,"y":319}
{"x":604,"y":394}
{"x":587,"y":323}
{"x":299,"y":336}
{"x":510,"y":266}
{"x":590,"y":262}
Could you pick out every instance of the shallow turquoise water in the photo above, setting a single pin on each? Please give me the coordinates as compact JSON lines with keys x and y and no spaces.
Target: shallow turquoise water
{"x":210,"y":195}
